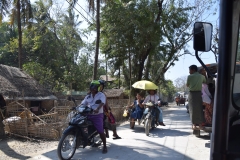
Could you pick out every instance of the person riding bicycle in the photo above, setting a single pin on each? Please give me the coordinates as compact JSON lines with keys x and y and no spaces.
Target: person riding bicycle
{"x":96,"y":101}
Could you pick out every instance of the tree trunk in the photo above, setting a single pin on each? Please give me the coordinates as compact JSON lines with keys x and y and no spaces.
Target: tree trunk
{"x":119,"y":76}
{"x":130,"y":76}
{"x":19,"y":35}
{"x":97,"y":41}
{"x":142,"y":62}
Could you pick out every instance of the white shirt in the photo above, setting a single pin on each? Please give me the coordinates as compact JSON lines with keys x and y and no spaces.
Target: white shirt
{"x":90,"y":101}
{"x":206,"y":95}
{"x":153,"y":98}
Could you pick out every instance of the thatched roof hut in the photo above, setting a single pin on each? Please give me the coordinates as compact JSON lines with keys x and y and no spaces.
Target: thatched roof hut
{"x":15,"y":83}
{"x":114,"y":93}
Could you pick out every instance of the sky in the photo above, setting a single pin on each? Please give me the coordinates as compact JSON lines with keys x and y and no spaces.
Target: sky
{"x":180,"y":69}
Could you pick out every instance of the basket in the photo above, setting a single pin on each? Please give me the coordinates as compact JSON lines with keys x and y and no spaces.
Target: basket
{"x":43,"y":131}
{"x":17,"y":125}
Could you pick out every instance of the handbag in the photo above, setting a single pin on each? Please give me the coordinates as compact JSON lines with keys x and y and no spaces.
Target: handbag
{"x":109,"y":115}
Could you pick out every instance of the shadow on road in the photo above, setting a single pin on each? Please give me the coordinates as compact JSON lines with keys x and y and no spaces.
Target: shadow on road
{"x":123,"y":152}
{"x":8,"y":151}
{"x":160,"y":132}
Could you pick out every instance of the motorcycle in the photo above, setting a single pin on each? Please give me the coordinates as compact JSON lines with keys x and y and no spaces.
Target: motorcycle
{"x":149,"y":117}
{"x":164,"y":104}
{"x":80,"y":133}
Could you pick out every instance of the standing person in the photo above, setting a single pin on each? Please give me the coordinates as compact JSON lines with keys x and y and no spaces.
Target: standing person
{"x":153,"y":97}
{"x":194,"y":83}
{"x":96,"y":101}
{"x":207,"y":102}
{"x":109,"y":120}
{"x":137,"y":110}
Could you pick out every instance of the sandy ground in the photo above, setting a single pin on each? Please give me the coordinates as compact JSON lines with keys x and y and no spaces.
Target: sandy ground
{"x":15,"y":148}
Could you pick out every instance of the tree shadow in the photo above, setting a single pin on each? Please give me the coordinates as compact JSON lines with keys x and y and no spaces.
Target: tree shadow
{"x":8,"y":151}
{"x":119,"y":151}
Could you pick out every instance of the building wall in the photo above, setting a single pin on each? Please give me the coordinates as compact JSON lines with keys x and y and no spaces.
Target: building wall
{"x":48,"y":104}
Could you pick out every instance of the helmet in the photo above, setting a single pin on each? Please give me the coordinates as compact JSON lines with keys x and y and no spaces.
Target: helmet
{"x":94,"y":85}
{"x":102,"y":82}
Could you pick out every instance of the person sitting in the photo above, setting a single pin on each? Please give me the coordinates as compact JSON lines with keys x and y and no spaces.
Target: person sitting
{"x":137,"y":111}
{"x":109,"y":120}
{"x":153,"y":97}
{"x":96,"y":101}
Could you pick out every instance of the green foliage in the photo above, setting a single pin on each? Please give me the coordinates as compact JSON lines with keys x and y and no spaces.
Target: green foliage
{"x":151,"y":34}
{"x":168,"y":89}
{"x":6,"y":34}
{"x":43,"y":75}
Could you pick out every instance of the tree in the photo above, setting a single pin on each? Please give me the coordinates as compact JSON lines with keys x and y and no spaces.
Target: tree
{"x":168,"y":90}
{"x":180,"y":84}
{"x":7,"y":33}
{"x":91,"y":6}
{"x":154,"y":33}
{"x":22,"y":11}
{"x":4,"y":8}
{"x":134,"y":40}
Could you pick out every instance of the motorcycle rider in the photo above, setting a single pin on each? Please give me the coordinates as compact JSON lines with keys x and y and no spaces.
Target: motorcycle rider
{"x":109,"y":120}
{"x":153,"y":97}
{"x":96,"y":101}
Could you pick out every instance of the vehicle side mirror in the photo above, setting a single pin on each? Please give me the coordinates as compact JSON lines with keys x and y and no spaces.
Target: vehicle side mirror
{"x":202,"y":36}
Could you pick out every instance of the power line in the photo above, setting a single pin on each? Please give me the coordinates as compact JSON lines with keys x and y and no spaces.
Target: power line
{"x":80,"y":13}
{"x":85,"y":11}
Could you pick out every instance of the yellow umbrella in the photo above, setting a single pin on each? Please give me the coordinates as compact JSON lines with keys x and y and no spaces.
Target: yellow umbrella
{"x":145,"y":85}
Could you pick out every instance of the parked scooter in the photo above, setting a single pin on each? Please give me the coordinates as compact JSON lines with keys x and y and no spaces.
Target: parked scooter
{"x":80,"y":133}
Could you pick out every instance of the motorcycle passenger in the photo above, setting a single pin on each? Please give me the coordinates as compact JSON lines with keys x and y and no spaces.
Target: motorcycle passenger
{"x":109,"y":120}
{"x":96,"y":101}
{"x":153,"y":97}
{"x":137,"y":111}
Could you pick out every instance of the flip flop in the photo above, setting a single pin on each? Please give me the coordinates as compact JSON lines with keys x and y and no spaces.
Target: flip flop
{"x":117,"y":137}
{"x":104,"y":151}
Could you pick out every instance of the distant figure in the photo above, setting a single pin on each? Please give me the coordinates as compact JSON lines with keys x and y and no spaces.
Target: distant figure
{"x":194,"y":82}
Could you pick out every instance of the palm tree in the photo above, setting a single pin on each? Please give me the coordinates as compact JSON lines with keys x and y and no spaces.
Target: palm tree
{"x":91,"y":5}
{"x":21,"y":11}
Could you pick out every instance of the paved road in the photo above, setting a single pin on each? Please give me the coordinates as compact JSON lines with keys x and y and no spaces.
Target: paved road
{"x":172,"y":142}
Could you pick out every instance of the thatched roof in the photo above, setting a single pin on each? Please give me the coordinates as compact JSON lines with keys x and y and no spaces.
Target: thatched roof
{"x":113,"y":93}
{"x":107,"y":78}
{"x":16,"y":83}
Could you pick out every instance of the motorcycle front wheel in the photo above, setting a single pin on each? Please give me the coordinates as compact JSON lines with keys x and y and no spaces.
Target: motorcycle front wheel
{"x":67,"y":146}
{"x":147,"y":125}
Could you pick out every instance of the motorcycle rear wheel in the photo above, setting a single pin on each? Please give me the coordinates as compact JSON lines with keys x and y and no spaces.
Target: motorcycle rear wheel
{"x":67,"y":146}
{"x":147,"y":125}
